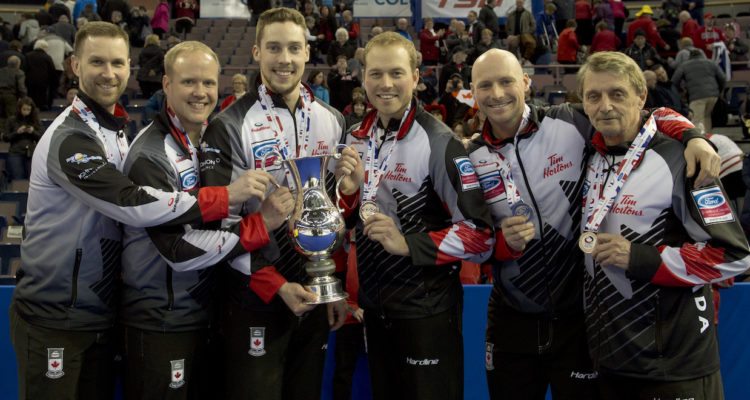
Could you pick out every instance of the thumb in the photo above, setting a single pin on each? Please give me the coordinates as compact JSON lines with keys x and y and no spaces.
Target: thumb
{"x":306,"y":295}
{"x":690,"y":171}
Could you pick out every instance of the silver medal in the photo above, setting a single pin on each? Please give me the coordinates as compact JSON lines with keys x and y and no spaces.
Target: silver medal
{"x":367,"y":210}
{"x":587,"y":242}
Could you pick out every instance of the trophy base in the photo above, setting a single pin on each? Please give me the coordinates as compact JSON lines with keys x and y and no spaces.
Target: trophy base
{"x":328,"y":289}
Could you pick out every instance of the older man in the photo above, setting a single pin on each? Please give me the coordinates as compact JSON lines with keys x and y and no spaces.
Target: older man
{"x":654,"y":243}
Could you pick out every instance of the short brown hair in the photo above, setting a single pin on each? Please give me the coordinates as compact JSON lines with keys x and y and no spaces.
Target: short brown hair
{"x":189,"y":46}
{"x":389,"y":38}
{"x":99,"y":28}
{"x":616,"y":63}
{"x":279,"y":14}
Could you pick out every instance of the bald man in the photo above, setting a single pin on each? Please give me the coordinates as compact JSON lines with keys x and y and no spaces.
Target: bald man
{"x":530,"y":163}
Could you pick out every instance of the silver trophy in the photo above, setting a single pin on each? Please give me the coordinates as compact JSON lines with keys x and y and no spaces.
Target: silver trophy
{"x":316,"y":225}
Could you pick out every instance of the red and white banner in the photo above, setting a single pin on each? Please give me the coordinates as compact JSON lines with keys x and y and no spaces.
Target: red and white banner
{"x":382,"y":8}
{"x":461,"y":8}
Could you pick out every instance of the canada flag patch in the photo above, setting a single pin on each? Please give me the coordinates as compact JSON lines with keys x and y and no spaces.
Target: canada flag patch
{"x":712,"y":205}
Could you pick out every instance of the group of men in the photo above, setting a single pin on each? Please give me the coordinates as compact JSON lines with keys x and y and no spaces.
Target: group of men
{"x":617,"y":322}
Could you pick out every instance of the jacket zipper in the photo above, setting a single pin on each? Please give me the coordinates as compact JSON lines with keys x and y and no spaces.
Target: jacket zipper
{"x":76,"y":269}
{"x":170,"y":292}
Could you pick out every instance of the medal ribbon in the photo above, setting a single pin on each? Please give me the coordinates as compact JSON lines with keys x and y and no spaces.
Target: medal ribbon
{"x":178,"y":130}
{"x":511,"y":190}
{"x":596,"y":211}
{"x":88,"y":117}
{"x":374,"y":174}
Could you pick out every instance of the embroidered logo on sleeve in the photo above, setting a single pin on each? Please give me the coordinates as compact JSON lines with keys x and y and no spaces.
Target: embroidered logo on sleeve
{"x":489,"y":359}
{"x":178,"y":373}
{"x":712,"y":205}
{"x":466,"y":171}
{"x":188,"y":178}
{"x":55,"y":363}
{"x":257,"y":341}
{"x":80,"y":158}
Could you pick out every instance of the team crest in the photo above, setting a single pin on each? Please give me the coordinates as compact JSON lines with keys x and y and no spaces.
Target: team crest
{"x":712,"y":205}
{"x":257,"y":341}
{"x":55,"y":363}
{"x":469,"y":180}
{"x":489,"y":362}
{"x":178,"y":373}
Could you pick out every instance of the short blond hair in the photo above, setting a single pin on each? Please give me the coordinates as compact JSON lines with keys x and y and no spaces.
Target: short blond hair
{"x":615,"y":63}
{"x":274,"y":15}
{"x":389,"y":38}
{"x":152,"y":39}
{"x":189,"y":46}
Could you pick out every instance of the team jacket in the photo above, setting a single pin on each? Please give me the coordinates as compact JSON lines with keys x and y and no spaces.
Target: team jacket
{"x":234,"y":142}
{"x":656,"y":321}
{"x":71,"y":248}
{"x":432,"y":193}
{"x":166,"y":278}
{"x":547,"y":159}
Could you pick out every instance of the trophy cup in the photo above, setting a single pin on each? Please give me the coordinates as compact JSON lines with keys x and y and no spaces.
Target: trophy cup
{"x":316,"y":225}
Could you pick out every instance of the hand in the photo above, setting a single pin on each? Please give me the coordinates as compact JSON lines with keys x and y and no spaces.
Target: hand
{"x":351,"y":167}
{"x":321,"y":37}
{"x":295,"y":296}
{"x":359,"y":315}
{"x":251,"y":183}
{"x":276,"y":208}
{"x":21,"y":129}
{"x":383,"y":230}
{"x":336,"y":314}
{"x":517,"y":232}
{"x":699,"y":152}
{"x":612,"y":251}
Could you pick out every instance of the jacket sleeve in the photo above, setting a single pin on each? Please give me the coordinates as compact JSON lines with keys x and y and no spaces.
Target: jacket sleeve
{"x":186,"y":248}
{"x":717,"y":249}
{"x":470,"y":236}
{"x":79,"y":165}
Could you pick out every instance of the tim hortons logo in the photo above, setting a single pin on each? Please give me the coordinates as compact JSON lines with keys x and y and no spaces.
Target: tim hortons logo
{"x":398,"y":174}
{"x":626,"y":206}
{"x":321,"y":149}
{"x":556,"y":164}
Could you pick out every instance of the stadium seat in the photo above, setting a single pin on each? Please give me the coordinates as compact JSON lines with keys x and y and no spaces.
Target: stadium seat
{"x":734,"y":93}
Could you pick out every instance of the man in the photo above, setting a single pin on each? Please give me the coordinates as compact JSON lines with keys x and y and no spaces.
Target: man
{"x":708,"y":34}
{"x":274,"y":340}
{"x":689,"y":25}
{"x":535,"y":331}
{"x":459,"y":37}
{"x":351,"y":26}
{"x":402,"y":26}
{"x":668,"y":91}
{"x":12,"y":87}
{"x":475,"y":27}
{"x":420,"y":215}
{"x":658,"y":242}
{"x":165,"y":321}
{"x":686,"y":45}
{"x":520,"y":21}
{"x":63,"y":305}
{"x":488,"y":17}
{"x":40,"y":75}
{"x":458,"y":66}
{"x":703,"y":82}
{"x":646,"y":24}
{"x":738,"y":48}
{"x":643,"y":53}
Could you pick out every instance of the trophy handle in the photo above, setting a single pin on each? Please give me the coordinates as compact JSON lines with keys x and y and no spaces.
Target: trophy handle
{"x":338,"y":193}
{"x":263,"y":163}
{"x":337,"y":151}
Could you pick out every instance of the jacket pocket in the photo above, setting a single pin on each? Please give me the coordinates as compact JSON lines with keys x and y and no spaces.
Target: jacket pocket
{"x":74,"y":283}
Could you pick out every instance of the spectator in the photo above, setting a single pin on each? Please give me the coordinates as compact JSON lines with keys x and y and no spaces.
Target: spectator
{"x":319,"y":85}
{"x":160,"y":20}
{"x":186,"y":11}
{"x":23,"y":132}
{"x":151,"y":66}
{"x":520,"y":21}
{"x":64,"y":29}
{"x":351,"y":26}
{"x":670,"y":35}
{"x":619,"y":13}
{"x":341,"y":47}
{"x":357,"y":114}
{"x":426,"y":92}
{"x":459,"y":38}
{"x":28,"y":29}
{"x":308,"y":10}
{"x":567,"y":46}
{"x":646,"y":24}
{"x":313,"y":39}
{"x":585,"y":26}
{"x":86,"y":8}
{"x":327,"y":27}
{"x":603,"y":12}
{"x":488,"y":17}
{"x":668,"y":93}
{"x":59,"y":8}
{"x":671,"y":11}
{"x":139,"y":27}
{"x":703,"y":82}
{"x":70,"y":95}
{"x":14,"y":49}
{"x":458,"y":66}
{"x":12,"y":88}
{"x":475,"y":27}
{"x":58,"y":49}
{"x":604,"y":39}
{"x":642,"y":52}
{"x":454,"y":109}
{"x":689,"y":26}
{"x":695,"y":8}
{"x":437,"y":111}
{"x":81,"y":21}
{"x":546,"y":29}
{"x":487,"y":42}
{"x":110,"y":6}
{"x":239,"y":88}
{"x":737,"y":47}
{"x":355,"y":64}
{"x":686,"y":46}
{"x":40,"y":75}
{"x":708,"y":34}
{"x":566,"y":10}
{"x":117,"y":19}
{"x":402,"y":28}
{"x":374,"y":31}
{"x":358,"y":96}
{"x":429,"y":42}
{"x":341,"y":83}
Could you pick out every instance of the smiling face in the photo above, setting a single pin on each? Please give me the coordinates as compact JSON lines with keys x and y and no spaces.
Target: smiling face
{"x":498,"y":85}
{"x":192,"y":88}
{"x":389,"y":80}
{"x":282,"y":54}
{"x":613,"y":105}
{"x":103,"y":68}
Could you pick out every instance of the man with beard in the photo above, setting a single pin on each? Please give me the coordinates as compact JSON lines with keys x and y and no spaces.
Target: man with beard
{"x":530,"y":163}
{"x":63,"y":305}
{"x":165,"y":321}
{"x":274,"y":340}
{"x":654,"y":243}
{"x":420,"y":214}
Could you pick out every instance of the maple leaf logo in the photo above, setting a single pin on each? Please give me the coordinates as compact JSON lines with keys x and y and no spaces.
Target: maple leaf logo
{"x":257,"y":342}
{"x":177,"y":375}
{"x":55,"y":364}
{"x":701,"y":261}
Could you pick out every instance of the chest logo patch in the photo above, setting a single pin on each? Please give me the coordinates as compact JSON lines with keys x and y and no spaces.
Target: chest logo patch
{"x":469,"y":180}
{"x":712,"y":205}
